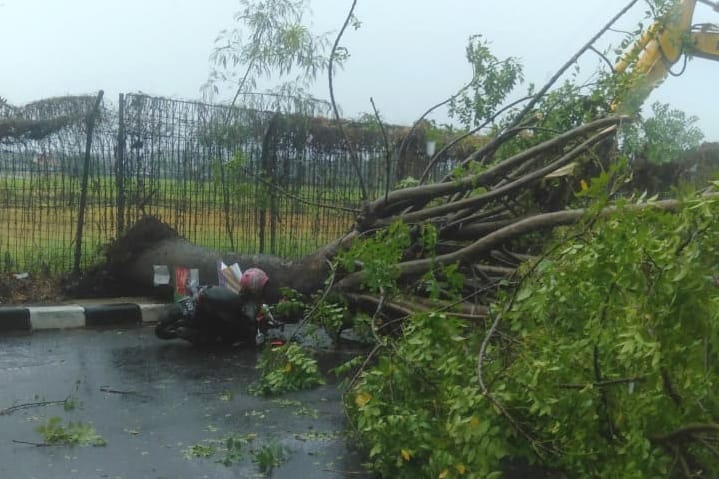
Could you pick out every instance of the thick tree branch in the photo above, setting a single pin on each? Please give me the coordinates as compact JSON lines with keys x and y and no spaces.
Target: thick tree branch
{"x":486,"y":178}
{"x":483,"y":245}
{"x":477,"y":201}
{"x":454,"y":142}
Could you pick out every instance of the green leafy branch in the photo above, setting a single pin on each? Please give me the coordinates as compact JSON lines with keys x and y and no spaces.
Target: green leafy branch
{"x":54,"y":433}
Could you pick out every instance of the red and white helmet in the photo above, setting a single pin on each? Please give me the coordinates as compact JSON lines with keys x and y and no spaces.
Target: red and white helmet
{"x":253,"y":280}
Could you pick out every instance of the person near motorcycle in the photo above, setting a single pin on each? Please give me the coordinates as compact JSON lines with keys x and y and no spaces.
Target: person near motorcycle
{"x":218,"y":315}
{"x":253,"y":282}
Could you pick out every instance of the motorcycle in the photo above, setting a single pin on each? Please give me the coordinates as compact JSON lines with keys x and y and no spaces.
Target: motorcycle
{"x":213,"y":315}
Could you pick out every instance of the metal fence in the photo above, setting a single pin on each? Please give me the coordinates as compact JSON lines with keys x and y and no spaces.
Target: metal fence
{"x":229,"y":179}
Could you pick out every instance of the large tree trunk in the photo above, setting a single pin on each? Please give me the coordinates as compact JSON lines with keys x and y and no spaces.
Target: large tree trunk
{"x":130,"y":259}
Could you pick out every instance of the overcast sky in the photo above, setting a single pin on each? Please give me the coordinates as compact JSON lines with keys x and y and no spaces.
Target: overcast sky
{"x":408,"y":54}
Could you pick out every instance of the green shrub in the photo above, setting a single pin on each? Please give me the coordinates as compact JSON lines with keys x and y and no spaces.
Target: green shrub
{"x":286,"y":368}
{"x":603,"y":364}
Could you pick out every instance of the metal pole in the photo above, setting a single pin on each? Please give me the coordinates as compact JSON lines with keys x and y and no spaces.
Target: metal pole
{"x":121,"y":167}
{"x":92,"y":116}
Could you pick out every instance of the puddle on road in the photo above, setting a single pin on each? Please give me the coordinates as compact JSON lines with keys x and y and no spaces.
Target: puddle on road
{"x":155,"y":402}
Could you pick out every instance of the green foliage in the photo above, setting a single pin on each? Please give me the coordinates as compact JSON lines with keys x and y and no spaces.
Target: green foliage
{"x":610,"y":347}
{"x":235,"y":448}
{"x":406,"y":183}
{"x":8,"y":261}
{"x":492,"y":81}
{"x":233,"y":175}
{"x":235,"y":445}
{"x":269,"y":456}
{"x":70,"y":403}
{"x":664,"y":137}
{"x":237,"y":164}
{"x":330,"y":316}
{"x":444,"y":281}
{"x":271,"y":41}
{"x":326,"y":313}
{"x":419,"y":410}
{"x":636,"y":300}
{"x":200,"y":450}
{"x":362,"y":327}
{"x":440,"y":280}
{"x":286,"y":368}
{"x":566,"y":107}
{"x":292,"y":305}
{"x":346,"y":367}
{"x":54,"y":433}
{"x":378,"y":256}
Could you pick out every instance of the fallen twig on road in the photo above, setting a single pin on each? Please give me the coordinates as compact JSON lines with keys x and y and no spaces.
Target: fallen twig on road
{"x":11,"y":409}
{"x":109,"y":390}
{"x":36,"y":444}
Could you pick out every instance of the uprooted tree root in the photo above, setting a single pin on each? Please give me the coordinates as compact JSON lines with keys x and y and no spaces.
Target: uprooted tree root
{"x":107,"y":278}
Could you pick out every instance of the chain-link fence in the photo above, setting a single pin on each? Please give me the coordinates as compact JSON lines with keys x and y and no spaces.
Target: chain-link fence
{"x":228,"y":179}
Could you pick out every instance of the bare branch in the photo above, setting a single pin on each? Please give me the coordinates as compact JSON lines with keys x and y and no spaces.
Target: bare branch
{"x":603,"y":384}
{"x":603,"y":57}
{"x":686,"y":431}
{"x":11,"y":409}
{"x":335,"y":110}
{"x":406,"y":138}
{"x":471,"y":132}
{"x":388,"y":153}
{"x":509,"y":132}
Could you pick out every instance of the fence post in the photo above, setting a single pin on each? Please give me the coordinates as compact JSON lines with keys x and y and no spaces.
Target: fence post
{"x":226,"y":200}
{"x":265,"y":178}
{"x":121,"y":166}
{"x":273,"y":200}
{"x":92,"y":116}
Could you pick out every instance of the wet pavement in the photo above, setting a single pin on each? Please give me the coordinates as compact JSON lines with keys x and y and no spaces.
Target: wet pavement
{"x":152,"y":401}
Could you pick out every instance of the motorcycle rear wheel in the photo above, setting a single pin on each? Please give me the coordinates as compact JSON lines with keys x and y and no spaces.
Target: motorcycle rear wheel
{"x":167,"y":326}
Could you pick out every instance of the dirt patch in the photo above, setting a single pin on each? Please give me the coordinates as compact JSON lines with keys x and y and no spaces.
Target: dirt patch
{"x":32,"y":289}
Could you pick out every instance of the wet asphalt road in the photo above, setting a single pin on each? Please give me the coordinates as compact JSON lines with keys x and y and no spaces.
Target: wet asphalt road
{"x":151,"y":400}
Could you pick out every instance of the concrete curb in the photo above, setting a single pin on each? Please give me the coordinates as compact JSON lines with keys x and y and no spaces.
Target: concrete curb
{"x":32,"y":318}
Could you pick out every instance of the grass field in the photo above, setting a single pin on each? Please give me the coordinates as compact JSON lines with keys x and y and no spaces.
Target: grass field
{"x":38,"y":218}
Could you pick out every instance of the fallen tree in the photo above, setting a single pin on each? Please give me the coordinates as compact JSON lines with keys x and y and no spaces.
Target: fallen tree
{"x":518,"y":308}
{"x":475,"y":219}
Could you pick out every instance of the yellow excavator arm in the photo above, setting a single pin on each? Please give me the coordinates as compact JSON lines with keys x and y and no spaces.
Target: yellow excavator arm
{"x":664,"y":43}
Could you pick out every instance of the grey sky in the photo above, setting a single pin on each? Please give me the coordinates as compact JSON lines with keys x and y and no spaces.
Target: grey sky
{"x":408,"y":54}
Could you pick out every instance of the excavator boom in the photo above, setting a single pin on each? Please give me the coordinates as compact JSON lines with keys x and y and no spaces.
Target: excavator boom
{"x":664,"y":43}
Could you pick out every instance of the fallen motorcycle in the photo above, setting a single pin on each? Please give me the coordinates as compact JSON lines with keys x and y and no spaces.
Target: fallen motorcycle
{"x":214,"y":315}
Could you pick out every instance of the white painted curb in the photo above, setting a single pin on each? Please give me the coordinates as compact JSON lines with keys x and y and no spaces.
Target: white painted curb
{"x":57,"y":317}
{"x":32,"y":318}
{"x":151,"y":312}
